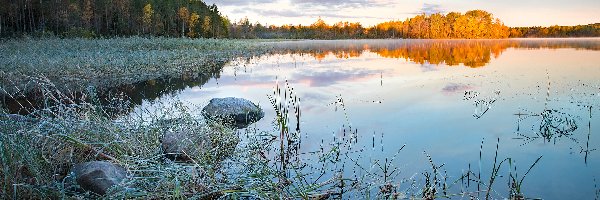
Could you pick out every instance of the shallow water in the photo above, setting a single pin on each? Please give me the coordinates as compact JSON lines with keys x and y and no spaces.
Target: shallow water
{"x":539,"y":97}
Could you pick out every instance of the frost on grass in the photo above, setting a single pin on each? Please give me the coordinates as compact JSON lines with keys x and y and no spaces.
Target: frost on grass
{"x":75,"y":63}
{"x":37,"y":155}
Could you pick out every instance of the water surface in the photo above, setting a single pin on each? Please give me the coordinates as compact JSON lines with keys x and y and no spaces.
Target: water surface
{"x":538,"y":97}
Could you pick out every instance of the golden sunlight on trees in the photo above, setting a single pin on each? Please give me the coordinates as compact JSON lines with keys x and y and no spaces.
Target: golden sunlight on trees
{"x":147,"y":17}
{"x":474,"y":24}
{"x":193,"y":22}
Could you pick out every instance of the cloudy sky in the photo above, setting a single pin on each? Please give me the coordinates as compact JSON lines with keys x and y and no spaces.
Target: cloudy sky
{"x":370,"y":12}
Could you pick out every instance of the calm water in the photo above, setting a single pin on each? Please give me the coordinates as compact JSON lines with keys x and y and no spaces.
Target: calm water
{"x":539,"y":97}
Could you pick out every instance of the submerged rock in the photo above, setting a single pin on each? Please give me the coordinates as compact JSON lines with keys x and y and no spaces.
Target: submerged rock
{"x":238,"y":112}
{"x":98,"y":176}
{"x":178,"y":145}
{"x":189,"y":139}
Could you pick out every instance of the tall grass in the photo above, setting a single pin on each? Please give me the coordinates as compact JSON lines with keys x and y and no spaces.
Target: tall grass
{"x":69,"y":63}
{"x":38,"y":153}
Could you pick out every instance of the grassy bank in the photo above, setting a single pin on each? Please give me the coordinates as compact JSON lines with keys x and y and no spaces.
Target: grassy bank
{"x":66,"y":75}
{"x":38,"y":153}
{"x":76,"y":63}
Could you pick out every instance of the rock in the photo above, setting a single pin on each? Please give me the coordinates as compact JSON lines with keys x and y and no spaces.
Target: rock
{"x":175,"y":143}
{"x":186,"y":140}
{"x":98,"y":176}
{"x":237,"y":111}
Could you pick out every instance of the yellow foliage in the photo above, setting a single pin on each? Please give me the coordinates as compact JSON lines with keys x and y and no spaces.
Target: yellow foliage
{"x":148,"y":13}
{"x":193,"y":21}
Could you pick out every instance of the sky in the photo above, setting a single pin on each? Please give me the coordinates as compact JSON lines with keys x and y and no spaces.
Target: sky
{"x":370,"y":12}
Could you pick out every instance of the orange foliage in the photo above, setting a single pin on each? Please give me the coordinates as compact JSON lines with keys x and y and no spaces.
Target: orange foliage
{"x":471,"y":53}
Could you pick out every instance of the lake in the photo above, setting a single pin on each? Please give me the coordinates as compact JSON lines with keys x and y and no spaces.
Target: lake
{"x":454,"y":100}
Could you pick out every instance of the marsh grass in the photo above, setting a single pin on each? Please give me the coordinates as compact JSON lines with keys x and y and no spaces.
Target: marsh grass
{"x":104,"y":63}
{"x":280,"y":168}
{"x":482,"y":104}
{"x":596,"y":189}
{"x":37,"y":155}
{"x":553,"y":124}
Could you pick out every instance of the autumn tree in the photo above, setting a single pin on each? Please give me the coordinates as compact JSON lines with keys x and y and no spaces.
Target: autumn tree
{"x":184,"y":15}
{"x":206,"y":26}
{"x":193,"y":22}
{"x":147,"y":17}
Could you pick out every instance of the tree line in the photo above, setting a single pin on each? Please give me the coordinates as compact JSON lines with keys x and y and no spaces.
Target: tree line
{"x":590,"y":30}
{"x":93,"y":18}
{"x":194,"y":18}
{"x":474,"y":24}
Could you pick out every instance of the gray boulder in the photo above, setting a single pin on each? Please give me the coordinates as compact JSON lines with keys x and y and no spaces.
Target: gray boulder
{"x":178,"y":145}
{"x":98,"y":176}
{"x":238,"y":112}
{"x":187,"y":140}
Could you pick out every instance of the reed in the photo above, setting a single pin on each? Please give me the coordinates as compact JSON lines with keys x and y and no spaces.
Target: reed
{"x":38,"y":151}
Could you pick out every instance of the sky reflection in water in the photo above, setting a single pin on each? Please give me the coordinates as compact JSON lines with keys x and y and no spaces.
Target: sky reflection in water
{"x":428,"y":93}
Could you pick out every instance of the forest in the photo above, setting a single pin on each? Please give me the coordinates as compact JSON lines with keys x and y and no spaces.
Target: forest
{"x":94,"y":18}
{"x":473,"y":24}
{"x":590,"y":30}
{"x":195,"y":19}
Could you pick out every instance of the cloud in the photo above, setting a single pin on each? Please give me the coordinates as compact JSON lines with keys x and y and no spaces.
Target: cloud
{"x":247,"y":80}
{"x":237,"y":2}
{"x":315,"y":96}
{"x":306,"y":4}
{"x":429,"y":9}
{"x":271,"y":13}
{"x":338,"y":3}
{"x":455,"y":87}
{"x":313,"y":13}
{"x":328,"y":13}
{"x":332,"y":77}
{"x":307,"y":10}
